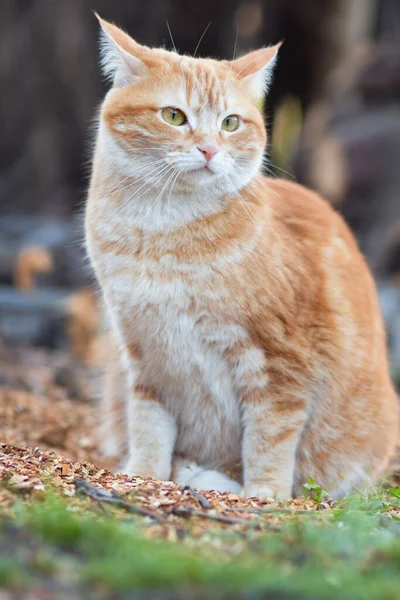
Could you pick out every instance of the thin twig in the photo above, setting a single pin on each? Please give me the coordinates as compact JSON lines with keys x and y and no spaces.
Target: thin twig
{"x":188,"y":511}
{"x":204,"y":503}
{"x":269,"y":511}
{"x":85,"y":489}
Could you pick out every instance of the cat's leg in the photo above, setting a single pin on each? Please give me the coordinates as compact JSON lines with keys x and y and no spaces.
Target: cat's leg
{"x":112,"y":430}
{"x":274,"y":411}
{"x":271,"y":433}
{"x":187,"y":472}
{"x":151,"y":429}
{"x":350,"y":436}
{"x":151,"y":435}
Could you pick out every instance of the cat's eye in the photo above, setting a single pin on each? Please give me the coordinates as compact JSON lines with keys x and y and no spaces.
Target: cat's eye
{"x":230,"y":123}
{"x":173,"y":116}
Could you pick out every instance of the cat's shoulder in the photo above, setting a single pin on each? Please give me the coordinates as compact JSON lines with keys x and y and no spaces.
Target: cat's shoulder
{"x":298,"y":207}
{"x":292,"y":196}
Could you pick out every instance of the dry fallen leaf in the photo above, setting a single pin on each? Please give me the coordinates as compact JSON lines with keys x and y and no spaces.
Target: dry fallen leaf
{"x":65,"y":469}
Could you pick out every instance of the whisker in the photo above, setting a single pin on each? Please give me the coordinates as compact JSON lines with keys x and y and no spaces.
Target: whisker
{"x":156,"y":177}
{"x":270,"y":190}
{"x":156,"y":200}
{"x":172,"y":39}
{"x":178,"y":172}
{"x":201,"y":39}
{"x":236,"y":41}
{"x":136,"y":170}
{"x":139,"y":169}
{"x":154,"y":184}
{"x":159,"y":172}
{"x":154,"y":148}
{"x":241,"y":199}
{"x":244,"y":204}
{"x":180,"y":64}
{"x":283,"y":170}
{"x":114,"y":187}
{"x":231,"y":82}
{"x":143,"y":185}
{"x":254,"y":181}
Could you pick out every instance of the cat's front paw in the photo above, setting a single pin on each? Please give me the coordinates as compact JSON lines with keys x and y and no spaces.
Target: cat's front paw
{"x":265,"y":492}
{"x":137,"y":468}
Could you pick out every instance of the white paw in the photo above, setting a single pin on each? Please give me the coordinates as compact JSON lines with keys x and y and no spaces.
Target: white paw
{"x":205,"y":479}
{"x":212,"y":480}
{"x":186,"y":471}
{"x":264,"y":492}
{"x":137,"y":468}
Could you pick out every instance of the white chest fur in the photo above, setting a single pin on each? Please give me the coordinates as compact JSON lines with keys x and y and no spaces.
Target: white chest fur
{"x":182,"y":353}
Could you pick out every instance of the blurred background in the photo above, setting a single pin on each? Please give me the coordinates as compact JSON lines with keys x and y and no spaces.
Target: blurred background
{"x":333,"y":115}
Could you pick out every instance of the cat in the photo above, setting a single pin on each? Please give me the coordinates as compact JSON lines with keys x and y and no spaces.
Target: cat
{"x":246,"y":335}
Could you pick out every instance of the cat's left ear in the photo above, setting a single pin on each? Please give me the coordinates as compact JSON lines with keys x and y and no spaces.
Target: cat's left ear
{"x":256,"y":69}
{"x":122,"y":57}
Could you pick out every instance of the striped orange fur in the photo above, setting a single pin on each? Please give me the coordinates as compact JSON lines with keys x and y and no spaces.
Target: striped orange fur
{"x":245,"y":321}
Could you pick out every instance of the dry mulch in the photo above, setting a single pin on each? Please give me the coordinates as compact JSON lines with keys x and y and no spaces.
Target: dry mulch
{"x":164,"y":508}
{"x":49,"y":400}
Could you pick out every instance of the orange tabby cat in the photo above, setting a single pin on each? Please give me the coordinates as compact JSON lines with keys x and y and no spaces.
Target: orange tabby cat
{"x":246,"y":320}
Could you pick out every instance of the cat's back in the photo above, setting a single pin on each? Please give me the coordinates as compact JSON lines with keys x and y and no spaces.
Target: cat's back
{"x":334,"y":282}
{"x":304,"y":212}
{"x":312,"y":233}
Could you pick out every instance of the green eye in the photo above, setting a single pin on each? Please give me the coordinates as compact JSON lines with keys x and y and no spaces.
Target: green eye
{"x":173,"y":116}
{"x":230,"y":123}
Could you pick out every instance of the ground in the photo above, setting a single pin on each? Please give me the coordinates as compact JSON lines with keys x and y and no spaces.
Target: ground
{"x":69,"y":528}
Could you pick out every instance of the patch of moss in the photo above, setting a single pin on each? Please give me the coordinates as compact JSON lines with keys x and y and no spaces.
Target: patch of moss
{"x":351,"y":552}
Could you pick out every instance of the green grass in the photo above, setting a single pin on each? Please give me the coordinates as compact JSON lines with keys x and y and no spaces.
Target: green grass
{"x":348,"y":553}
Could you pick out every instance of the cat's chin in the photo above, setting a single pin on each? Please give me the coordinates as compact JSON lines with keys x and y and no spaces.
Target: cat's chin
{"x":201,"y":176}
{"x":199,"y":171}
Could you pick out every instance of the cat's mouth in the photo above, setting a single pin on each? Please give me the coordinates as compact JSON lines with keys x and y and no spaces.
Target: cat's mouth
{"x":202,"y":169}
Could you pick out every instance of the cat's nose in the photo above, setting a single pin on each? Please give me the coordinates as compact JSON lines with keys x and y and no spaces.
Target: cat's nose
{"x":208,"y":150}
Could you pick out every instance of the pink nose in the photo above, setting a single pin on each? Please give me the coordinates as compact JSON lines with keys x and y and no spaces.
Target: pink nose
{"x":208,"y":150}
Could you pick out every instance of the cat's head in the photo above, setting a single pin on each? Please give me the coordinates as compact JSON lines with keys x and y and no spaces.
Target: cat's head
{"x":195,"y":123}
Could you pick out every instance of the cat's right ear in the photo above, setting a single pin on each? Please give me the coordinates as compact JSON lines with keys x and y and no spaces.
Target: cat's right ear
{"x":120,"y":55}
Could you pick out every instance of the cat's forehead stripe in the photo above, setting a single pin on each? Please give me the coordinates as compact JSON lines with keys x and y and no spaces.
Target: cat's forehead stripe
{"x":204,"y":85}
